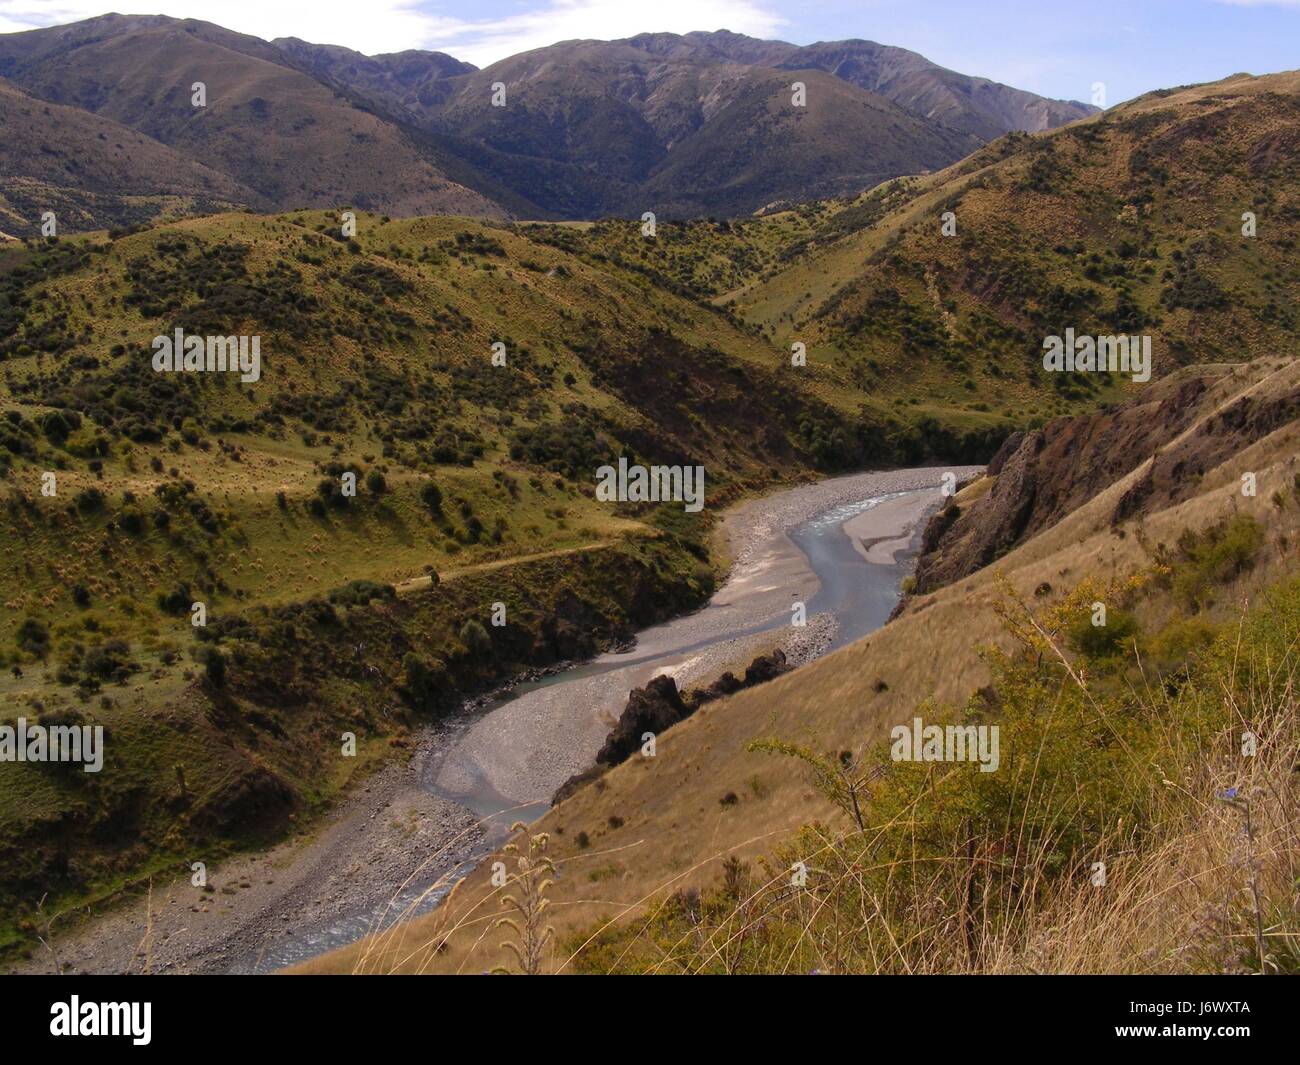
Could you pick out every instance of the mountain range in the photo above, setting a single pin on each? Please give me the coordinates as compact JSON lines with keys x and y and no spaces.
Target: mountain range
{"x":694,"y":124}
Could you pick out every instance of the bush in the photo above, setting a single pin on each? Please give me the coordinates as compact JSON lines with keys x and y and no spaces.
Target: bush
{"x":88,"y":500}
{"x":431,"y":497}
{"x":361,"y":592}
{"x":108,"y":661}
{"x":422,"y":682}
{"x":177,"y":601}
{"x":214,"y":668}
{"x":132,"y":521}
{"x":475,"y":637}
{"x":34,"y":636}
{"x":1215,"y":556}
{"x":1099,"y":642}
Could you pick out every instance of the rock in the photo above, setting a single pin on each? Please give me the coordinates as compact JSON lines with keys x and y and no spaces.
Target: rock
{"x":765,"y":668}
{"x":578,"y":780}
{"x":1040,"y":477}
{"x":656,"y":707}
{"x":659,"y":706}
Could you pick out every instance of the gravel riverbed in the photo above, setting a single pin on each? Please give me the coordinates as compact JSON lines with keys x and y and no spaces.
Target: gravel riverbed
{"x":406,"y":824}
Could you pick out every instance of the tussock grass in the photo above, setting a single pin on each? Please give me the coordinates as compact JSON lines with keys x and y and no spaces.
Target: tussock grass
{"x":944,"y":869}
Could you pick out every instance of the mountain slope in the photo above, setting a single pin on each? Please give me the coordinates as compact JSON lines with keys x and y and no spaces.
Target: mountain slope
{"x":1126,"y":223}
{"x":412,"y":78}
{"x":701,"y":123}
{"x":757,"y":148}
{"x":595,"y":133}
{"x":282,"y":133}
{"x":52,"y":155}
{"x":685,"y":119}
{"x":977,"y":106}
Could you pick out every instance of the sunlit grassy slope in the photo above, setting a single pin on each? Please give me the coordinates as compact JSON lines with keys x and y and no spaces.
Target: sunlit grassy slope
{"x":1126,"y":222}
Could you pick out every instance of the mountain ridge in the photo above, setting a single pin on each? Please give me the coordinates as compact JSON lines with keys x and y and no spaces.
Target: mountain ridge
{"x":700,"y":123}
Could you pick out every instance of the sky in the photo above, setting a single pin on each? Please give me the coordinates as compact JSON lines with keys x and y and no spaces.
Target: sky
{"x":1051,"y":47}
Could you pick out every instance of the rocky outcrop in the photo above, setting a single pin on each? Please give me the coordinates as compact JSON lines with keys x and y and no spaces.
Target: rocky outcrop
{"x":1041,"y":476}
{"x":1175,"y":473}
{"x":656,"y":707}
{"x":659,"y":706}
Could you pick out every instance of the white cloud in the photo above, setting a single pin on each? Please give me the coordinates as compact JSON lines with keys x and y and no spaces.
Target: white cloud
{"x":393,"y":25}
{"x":374,"y":26}
{"x":485,"y":42}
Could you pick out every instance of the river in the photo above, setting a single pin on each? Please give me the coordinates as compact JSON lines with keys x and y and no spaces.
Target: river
{"x":840,"y":547}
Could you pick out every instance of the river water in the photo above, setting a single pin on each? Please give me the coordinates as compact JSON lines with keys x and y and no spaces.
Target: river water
{"x":859,"y":595}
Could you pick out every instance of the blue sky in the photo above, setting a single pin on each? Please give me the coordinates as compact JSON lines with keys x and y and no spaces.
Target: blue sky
{"x":1055,"y":48}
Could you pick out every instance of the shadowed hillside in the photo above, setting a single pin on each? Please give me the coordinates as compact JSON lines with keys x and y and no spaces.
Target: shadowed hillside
{"x":93,"y":172}
{"x":294,"y":141}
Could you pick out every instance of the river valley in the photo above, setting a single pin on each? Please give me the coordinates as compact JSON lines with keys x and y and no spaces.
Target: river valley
{"x":835,"y":552}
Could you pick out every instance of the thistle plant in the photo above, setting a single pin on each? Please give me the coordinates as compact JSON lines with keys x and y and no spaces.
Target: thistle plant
{"x":534,"y":872}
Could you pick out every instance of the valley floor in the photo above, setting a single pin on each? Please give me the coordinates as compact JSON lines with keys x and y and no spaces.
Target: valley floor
{"x":414,"y":828}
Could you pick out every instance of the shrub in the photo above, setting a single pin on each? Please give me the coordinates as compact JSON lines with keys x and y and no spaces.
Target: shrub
{"x":422,"y":682}
{"x":132,"y":521}
{"x":1215,"y":556}
{"x":214,"y":668}
{"x":34,"y":636}
{"x":88,"y":500}
{"x":177,"y":601}
{"x":431,"y":497}
{"x":474,"y":636}
{"x":361,"y":592}
{"x":1100,"y":642}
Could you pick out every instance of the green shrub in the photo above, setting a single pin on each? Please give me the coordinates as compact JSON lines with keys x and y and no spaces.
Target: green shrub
{"x":1099,"y":642}
{"x":177,"y":601}
{"x":1215,"y":556}
{"x":431,"y":497}
{"x":475,"y":637}
{"x":361,"y":592}
{"x":34,"y":636}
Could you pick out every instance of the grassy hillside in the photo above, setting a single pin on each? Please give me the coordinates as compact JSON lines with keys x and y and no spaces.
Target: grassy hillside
{"x":1124,"y":223}
{"x":1127,"y":222}
{"x":136,"y":494}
